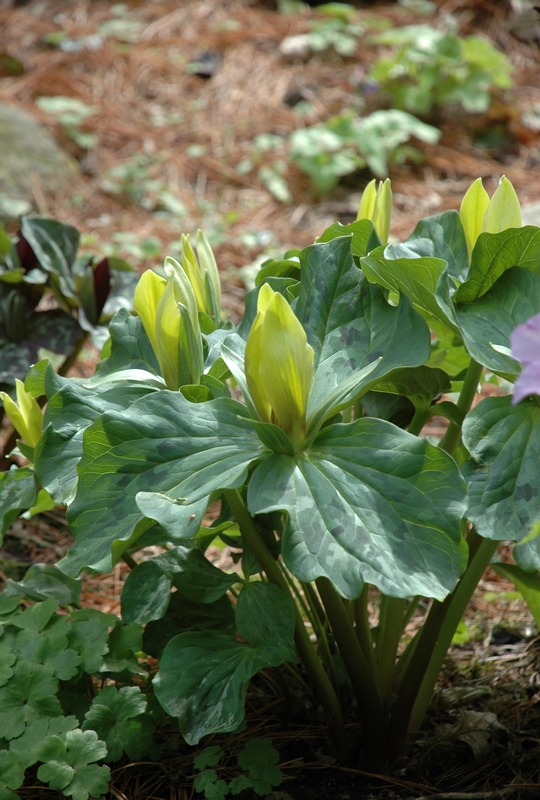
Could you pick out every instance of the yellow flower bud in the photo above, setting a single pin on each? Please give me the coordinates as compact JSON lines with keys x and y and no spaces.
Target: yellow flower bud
{"x":25,"y":414}
{"x":376,"y":205}
{"x":279,"y":365}
{"x":479,"y":214}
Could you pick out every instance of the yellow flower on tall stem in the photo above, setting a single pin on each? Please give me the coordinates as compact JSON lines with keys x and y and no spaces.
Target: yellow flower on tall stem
{"x":25,"y":414}
{"x":376,"y":205}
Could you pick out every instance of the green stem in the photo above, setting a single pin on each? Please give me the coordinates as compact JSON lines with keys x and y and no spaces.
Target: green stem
{"x":313,"y":666}
{"x":363,"y":682}
{"x":391,"y":616}
{"x":363,"y":629}
{"x":451,"y":438}
{"x":129,"y":560}
{"x":431,"y":646}
{"x":485,"y":549}
{"x":421,"y":416}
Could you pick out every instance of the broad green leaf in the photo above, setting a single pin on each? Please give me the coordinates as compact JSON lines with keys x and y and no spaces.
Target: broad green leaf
{"x":184,"y":615}
{"x":36,"y":618}
{"x":46,"y":580}
{"x":72,"y":759}
{"x":178,"y":454}
{"x":494,"y":253}
{"x":32,"y":740}
{"x":49,"y":648}
{"x":447,"y":351}
{"x":259,"y":759}
{"x":17,"y":493}
{"x":442,"y":236}
{"x":420,"y":384}
{"x":146,"y":593}
{"x":7,"y":659}
{"x":350,"y":325}
{"x":69,"y":412}
{"x":194,"y":576}
{"x":119,"y":719}
{"x":361,"y":232}
{"x":11,"y":773}
{"x":89,"y":638}
{"x":528,"y":583}
{"x":395,"y":408}
{"x":265,"y":615}
{"x":55,"y":245}
{"x":504,"y":443}
{"x":123,"y":643}
{"x":400,"y":269}
{"x":202,"y":681}
{"x":29,"y":693}
{"x":368,"y":503}
{"x":486,"y":323}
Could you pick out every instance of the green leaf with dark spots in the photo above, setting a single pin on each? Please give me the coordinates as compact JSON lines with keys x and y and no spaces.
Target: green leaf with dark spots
{"x":202,"y":681}
{"x":161,"y":459}
{"x":504,"y":443}
{"x":146,"y":593}
{"x":486,"y":323}
{"x":442,"y":236}
{"x":265,"y":616}
{"x":17,"y":493}
{"x":420,"y":384}
{"x":194,"y":576}
{"x":368,"y":503}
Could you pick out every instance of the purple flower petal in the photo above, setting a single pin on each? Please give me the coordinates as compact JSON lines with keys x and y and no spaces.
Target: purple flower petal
{"x":525,"y":342}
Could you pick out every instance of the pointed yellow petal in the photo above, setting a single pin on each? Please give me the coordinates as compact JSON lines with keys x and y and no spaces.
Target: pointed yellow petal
{"x":190,"y":265}
{"x":367,"y":201}
{"x":473,"y":208}
{"x":183,"y":288}
{"x":167,"y":335}
{"x":254,"y":355}
{"x":382,"y":211}
{"x":504,"y":210}
{"x":145,"y":302}
{"x":208,"y":265}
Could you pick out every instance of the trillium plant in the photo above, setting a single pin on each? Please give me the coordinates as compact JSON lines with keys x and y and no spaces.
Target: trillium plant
{"x":301,"y":439}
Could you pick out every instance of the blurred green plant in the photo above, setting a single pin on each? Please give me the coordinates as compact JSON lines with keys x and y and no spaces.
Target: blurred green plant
{"x":329,"y":150}
{"x":432,"y":68}
{"x":71,"y":113}
{"x":258,"y":762}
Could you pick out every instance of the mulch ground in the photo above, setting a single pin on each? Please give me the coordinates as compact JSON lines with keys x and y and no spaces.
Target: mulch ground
{"x":187,"y":134}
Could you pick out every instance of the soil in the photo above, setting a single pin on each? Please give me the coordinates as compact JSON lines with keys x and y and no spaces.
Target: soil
{"x":158,"y":127}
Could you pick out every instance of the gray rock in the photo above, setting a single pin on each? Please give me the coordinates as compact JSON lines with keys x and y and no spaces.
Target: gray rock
{"x":530,"y":213}
{"x":27,"y":151}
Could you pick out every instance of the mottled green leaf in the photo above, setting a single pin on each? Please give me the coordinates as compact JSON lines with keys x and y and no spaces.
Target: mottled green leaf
{"x":496,"y":252}
{"x":350,"y":325}
{"x":69,"y":412}
{"x":442,"y":236}
{"x":265,"y":615}
{"x":17,"y":493}
{"x":368,"y":502}
{"x":400,"y":269}
{"x":202,"y":681}
{"x":130,"y":347}
{"x":46,"y":580}
{"x":161,"y":458}
{"x":361,"y":232}
{"x":146,"y":593}
{"x":184,"y":615}
{"x":420,"y":384}
{"x":194,"y":576}
{"x":504,"y":490}
{"x":487,"y":323}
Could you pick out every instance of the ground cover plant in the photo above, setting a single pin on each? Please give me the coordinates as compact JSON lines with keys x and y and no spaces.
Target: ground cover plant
{"x":300,"y":427}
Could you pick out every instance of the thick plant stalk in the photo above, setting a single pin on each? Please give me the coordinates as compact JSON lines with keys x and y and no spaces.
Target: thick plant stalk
{"x":306,"y":651}
{"x":363,"y":682}
{"x":424,"y":665}
{"x":391,"y":617}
